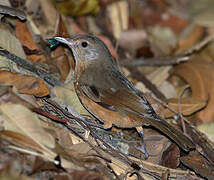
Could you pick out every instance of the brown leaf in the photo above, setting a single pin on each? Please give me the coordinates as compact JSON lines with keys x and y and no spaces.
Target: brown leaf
{"x":21,"y":120}
{"x":61,"y":60}
{"x":66,"y":95}
{"x":20,"y":139}
{"x":187,"y":106}
{"x":24,"y":83}
{"x":199,"y":74}
{"x":193,"y":36}
{"x":26,"y":39}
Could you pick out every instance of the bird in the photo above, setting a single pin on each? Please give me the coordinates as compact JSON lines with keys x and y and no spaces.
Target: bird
{"x":109,"y":96}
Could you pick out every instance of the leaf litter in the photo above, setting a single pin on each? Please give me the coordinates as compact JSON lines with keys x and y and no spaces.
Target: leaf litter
{"x":43,"y":122}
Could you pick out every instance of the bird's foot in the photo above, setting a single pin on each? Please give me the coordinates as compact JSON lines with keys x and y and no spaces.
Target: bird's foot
{"x":142,"y":149}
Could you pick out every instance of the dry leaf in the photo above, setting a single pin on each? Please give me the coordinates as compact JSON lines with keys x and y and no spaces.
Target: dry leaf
{"x":62,"y":60}
{"x":19,"y":119}
{"x":192,"y":35}
{"x":9,"y":42}
{"x":21,"y":140}
{"x":25,"y":84}
{"x":187,"y":106}
{"x":24,"y":35}
{"x":66,"y":95}
{"x":199,"y":74}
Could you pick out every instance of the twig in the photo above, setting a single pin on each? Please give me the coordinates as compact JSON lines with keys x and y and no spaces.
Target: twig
{"x":200,"y":46}
{"x":180,"y":110}
{"x":24,"y":64}
{"x":160,"y":61}
{"x":173,"y":60}
{"x":197,"y":136}
{"x":111,"y":150}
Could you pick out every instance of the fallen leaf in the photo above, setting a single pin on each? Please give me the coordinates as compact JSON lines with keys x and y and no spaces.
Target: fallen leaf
{"x":60,"y":59}
{"x":187,"y":106}
{"x":198,"y":73}
{"x":20,"y":139}
{"x":19,"y":119}
{"x":24,"y":35}
{"x":24,"y":83}
{"x":66,"y":95}
{"x":192,"y":35}
{"x":9,"y":42}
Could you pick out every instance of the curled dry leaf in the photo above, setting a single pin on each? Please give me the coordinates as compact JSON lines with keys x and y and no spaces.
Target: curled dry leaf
{"x":25,"y":37}
{"x":24,"y":83}
{"x":199,"y":74}
{"x":187,"y":106}
{"x":21,"y":120}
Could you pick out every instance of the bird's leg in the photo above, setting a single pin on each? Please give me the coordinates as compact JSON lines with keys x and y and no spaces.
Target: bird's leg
{"x":142,"y":148}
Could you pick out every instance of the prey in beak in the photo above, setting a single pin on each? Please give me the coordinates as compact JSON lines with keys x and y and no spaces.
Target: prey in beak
{"x":55,"y":41}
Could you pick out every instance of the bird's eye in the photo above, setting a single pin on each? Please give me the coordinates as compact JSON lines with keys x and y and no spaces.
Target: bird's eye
{"x":84,"y":44}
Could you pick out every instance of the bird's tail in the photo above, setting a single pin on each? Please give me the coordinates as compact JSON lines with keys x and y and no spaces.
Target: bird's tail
{"x":176,"y":135}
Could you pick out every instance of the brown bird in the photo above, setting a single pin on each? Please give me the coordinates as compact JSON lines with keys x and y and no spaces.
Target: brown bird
{"x":108,"y":95}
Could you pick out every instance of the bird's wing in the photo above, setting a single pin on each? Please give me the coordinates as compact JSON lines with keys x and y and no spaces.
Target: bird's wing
{"x":121,"y":99}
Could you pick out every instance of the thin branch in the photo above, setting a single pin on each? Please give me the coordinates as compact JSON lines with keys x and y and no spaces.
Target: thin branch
{"x":173,"y":60}
{"x":159,"y":61}
{"x":26,"y":65}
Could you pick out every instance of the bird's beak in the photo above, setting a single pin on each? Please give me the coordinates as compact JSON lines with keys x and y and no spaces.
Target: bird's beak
{"x":64,"y":41}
